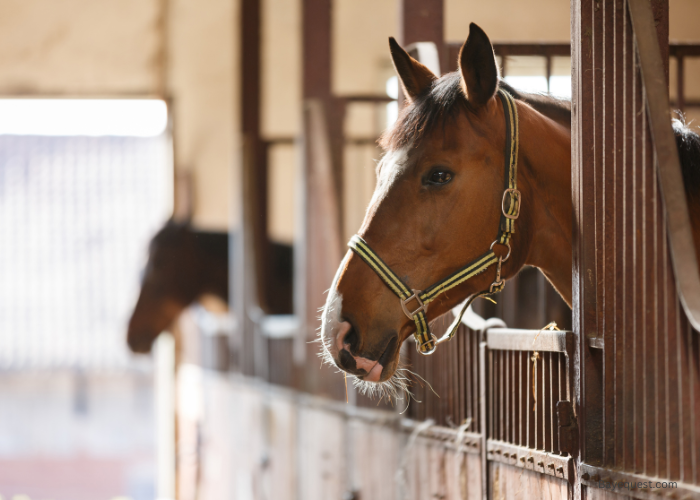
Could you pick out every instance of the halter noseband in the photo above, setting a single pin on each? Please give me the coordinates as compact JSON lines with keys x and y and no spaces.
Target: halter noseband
{"x":426,"y":341}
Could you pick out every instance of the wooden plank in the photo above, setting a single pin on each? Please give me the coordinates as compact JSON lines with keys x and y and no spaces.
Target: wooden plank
{"x":512,"y":482}
{"x":528,"y":340}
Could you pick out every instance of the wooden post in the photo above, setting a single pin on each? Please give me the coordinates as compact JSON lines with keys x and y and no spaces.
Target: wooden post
{"x":423,"y":21}
{"x":250,"y":244}
{"x":318,"y":249}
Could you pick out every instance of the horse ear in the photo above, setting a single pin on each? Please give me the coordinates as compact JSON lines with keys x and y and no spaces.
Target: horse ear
{"x":414,"y":76}
{"x":477,"y":65}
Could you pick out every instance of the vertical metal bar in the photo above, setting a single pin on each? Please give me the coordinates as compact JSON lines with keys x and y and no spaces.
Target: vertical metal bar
{"x":491,"y":431}
{"x":680,"y":83}
{"x":627,"y":458}
{"x":484,"y":435}
{"x":461,"y":378}
{"x":614,"y":451}
{"x":477,"y":404}
{"x":527,"y":402}
{"x":693,"y":383}
{"x":543,"y":400}
{"x":639,"y":283}
{"x":552,"y":418}
{"x":520,"y":398}
{"x":608,"y":221}
{"x":660,"y":334}
{"x":653,"y":452}
{"x":548,"y":70}
{"x":467,"y":367}
{"x":501,"y":384}
{"x":535,"y":401}
{"x":685,"y":423}
{"x":506,"y":355}
{"x":514,"y":395}
{"x":680,"y":377}
{"x":671,"y":403}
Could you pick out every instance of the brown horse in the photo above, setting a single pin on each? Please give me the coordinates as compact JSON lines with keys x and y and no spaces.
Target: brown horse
{"x":437,"y":206}
{"x":184,"y":264}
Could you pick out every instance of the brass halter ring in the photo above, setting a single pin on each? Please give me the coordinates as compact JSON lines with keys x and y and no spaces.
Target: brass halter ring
{"x":503,"y":259}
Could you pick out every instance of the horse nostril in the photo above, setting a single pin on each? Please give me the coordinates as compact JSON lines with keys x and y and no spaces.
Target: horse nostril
{"x":352,"y":339}
{"x":346,"y":361}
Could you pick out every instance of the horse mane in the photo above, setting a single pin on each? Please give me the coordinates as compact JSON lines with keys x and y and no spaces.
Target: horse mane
{"x":688,"y":144}
{"x":552,"y":107}
{"x":444,"y":100}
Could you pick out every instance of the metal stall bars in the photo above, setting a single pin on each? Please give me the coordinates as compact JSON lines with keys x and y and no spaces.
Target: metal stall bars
{"x":639,"y":386}
{"x":526,"y":399}
{"x":514,"y":390}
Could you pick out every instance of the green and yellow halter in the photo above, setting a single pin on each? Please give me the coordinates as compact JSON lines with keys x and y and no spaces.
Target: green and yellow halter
{"x":426,"y":341}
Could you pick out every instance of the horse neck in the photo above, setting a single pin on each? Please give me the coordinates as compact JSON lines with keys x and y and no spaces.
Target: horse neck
{"x":545,"y":165}
{"x":212,"y":249}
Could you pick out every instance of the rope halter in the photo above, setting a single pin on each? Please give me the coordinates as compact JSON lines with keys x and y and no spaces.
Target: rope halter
{"x":414,"y":303}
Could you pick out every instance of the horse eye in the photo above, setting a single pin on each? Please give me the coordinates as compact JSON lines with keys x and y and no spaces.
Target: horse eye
{"x":440,"y":177}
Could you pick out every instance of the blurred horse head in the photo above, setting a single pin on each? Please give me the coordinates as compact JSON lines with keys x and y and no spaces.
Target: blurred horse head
{"x":183,"y":264}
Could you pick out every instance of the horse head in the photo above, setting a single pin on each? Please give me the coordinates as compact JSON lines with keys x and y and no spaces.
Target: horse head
{"x":171,"y":281}
{"x":437,"y":206}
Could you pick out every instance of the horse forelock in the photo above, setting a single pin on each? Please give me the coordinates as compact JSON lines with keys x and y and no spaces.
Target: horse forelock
{"x":441,"y":102}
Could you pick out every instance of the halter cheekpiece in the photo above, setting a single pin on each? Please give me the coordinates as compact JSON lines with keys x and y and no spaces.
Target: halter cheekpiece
{"x":414,"y":303}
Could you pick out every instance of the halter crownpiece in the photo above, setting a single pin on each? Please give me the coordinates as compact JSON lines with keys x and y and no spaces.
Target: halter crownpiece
{"x":414,"y":303}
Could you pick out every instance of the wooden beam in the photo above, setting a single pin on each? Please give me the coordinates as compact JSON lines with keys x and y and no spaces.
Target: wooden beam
{"x":250,"y":246}
{"x":318,"y":248}
{"x":423,"y":21}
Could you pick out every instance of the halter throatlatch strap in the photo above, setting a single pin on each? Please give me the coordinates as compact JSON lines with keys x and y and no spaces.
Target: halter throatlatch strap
{"x":414,"y":303}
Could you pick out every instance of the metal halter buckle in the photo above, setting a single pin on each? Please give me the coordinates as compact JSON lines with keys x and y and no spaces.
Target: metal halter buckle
{"x":421,"y":306}
{"x":433,"y":339}
{"x":515,"y":196}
